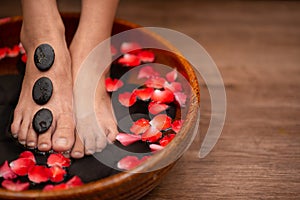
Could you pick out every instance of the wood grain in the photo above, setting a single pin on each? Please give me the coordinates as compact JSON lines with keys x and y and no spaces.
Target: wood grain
{"x":256,"y":46}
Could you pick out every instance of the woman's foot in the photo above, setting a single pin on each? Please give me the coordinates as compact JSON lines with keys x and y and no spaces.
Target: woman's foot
{"x":95,"y":124}
{"x":60,"y":136}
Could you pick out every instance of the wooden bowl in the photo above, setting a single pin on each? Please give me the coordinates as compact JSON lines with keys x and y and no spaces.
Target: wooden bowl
{"x":138,"y":182}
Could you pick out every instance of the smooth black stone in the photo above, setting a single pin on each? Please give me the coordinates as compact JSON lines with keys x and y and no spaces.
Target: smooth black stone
{"x":44,"y":57}
{"x":42,"y":120}
{"x":42,"y":90}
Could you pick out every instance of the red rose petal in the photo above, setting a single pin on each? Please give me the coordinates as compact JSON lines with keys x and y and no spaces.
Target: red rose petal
{"x":48,"y":187}
{"x":171,"y":76}
{"x":151,"y":135}
{"x":140,"y":126}
{"x":132,"y":47}
{"x":180,"y":98}
{"x":147,"y":72}
{"x":39,"y":174}
{"x":15,"y":186}
{"x":128,"y":162}
{"x":176,"y":125}
{"x":166,"y":139}
{"x":127,"y":99}
{"x":144,"y":94}
{"x":6,"y":172}
{"x":155,"y":108}
{"x":155,"y":82}
{"x":22,"y":50}
{"x":57,"y":174}
{"x":112,"y":84}
{"x":75,"y":181}
{"x":27,"y":154}
{"x":163,"y":96}
{"x":129,"y":60}
{"x":127,"y":139}
{"x":161,"y":122}
{"x":24,"y":58}
{"x":59,"y":160}
{"x":21,"y":166}
{"x":146,"y":56}
{"x":174,"y":86}
{"x":155,"y":147}
{"x":13,"y":52}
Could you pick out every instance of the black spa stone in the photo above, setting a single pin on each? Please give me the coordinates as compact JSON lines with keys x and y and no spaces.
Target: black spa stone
{"x":42,"y":120}
{"x":42,"y":90}
{"x":44,"y":57}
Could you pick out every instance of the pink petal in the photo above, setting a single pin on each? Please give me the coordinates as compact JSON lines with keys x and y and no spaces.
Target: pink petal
{"x":15,"y":186}
{"x":6,"y":172}
{"x":163,"y":96}
{"x":180,"y":98}
{"x":161,"y":122}
{"x":57,"y":174}
{"x":147,"y":72}
{"x":146,"y":56}
{"x":155,"y":108}
{"x":21,"y":166}
{"x":128,"y":162}
{"x":151,"y":135}
{"x":171,"y":76}
{"x":166,"y":139}
{"x":13,"y":52}
{"x":22,"y":50}
{"x":176,"y":125}
{"x":24,"y":58}
{"x":112,"y":84}
{"x":127,"y":139}
{"x":127,"y":99}
{"x":140,"y":126}
{"x":5,"y":20}
{"x":174,"y":86}
{"x":39,"y":174}
{"x":27,"y":154}
{"x":144,"y":94}
{"x":59,"y":160}
{"x":129,"y":60}
{"x":155,"y":82}
{"x":127,"y":47}
{"x":155,"y":147}
{"x":75,"y":181}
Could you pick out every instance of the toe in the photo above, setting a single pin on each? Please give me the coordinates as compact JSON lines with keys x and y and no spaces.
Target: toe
{"x":22,"y":134}
{"x":44,"y":140}
{"x":78,"y":148}
{"x":63,"y":137}
{"x":31,"y":138}
{"x":15,"y":126}
{"x":112,"y":133}
{"x":89,"y":143}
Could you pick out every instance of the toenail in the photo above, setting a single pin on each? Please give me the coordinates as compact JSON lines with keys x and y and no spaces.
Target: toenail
{"x":43,"y":146}
{"x":23,"y":142}
{"x":15,"y":135}
{"x":31,"y":144}
{"x":77,"y":154}
{"x":89,"y":152}
{"x":61,"y":141}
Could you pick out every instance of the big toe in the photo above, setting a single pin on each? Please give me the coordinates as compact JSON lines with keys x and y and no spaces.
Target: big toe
{"x":63,"y":138}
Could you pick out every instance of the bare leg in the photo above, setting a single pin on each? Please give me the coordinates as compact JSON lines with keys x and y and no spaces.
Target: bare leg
{"x":95,"y":26}
{"x":42,"y":24}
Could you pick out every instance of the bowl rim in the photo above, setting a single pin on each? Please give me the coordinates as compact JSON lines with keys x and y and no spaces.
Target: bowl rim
{"x":116,"y":179}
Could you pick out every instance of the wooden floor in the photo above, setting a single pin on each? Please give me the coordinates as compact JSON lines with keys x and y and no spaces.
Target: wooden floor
{"x":256,"y":45}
